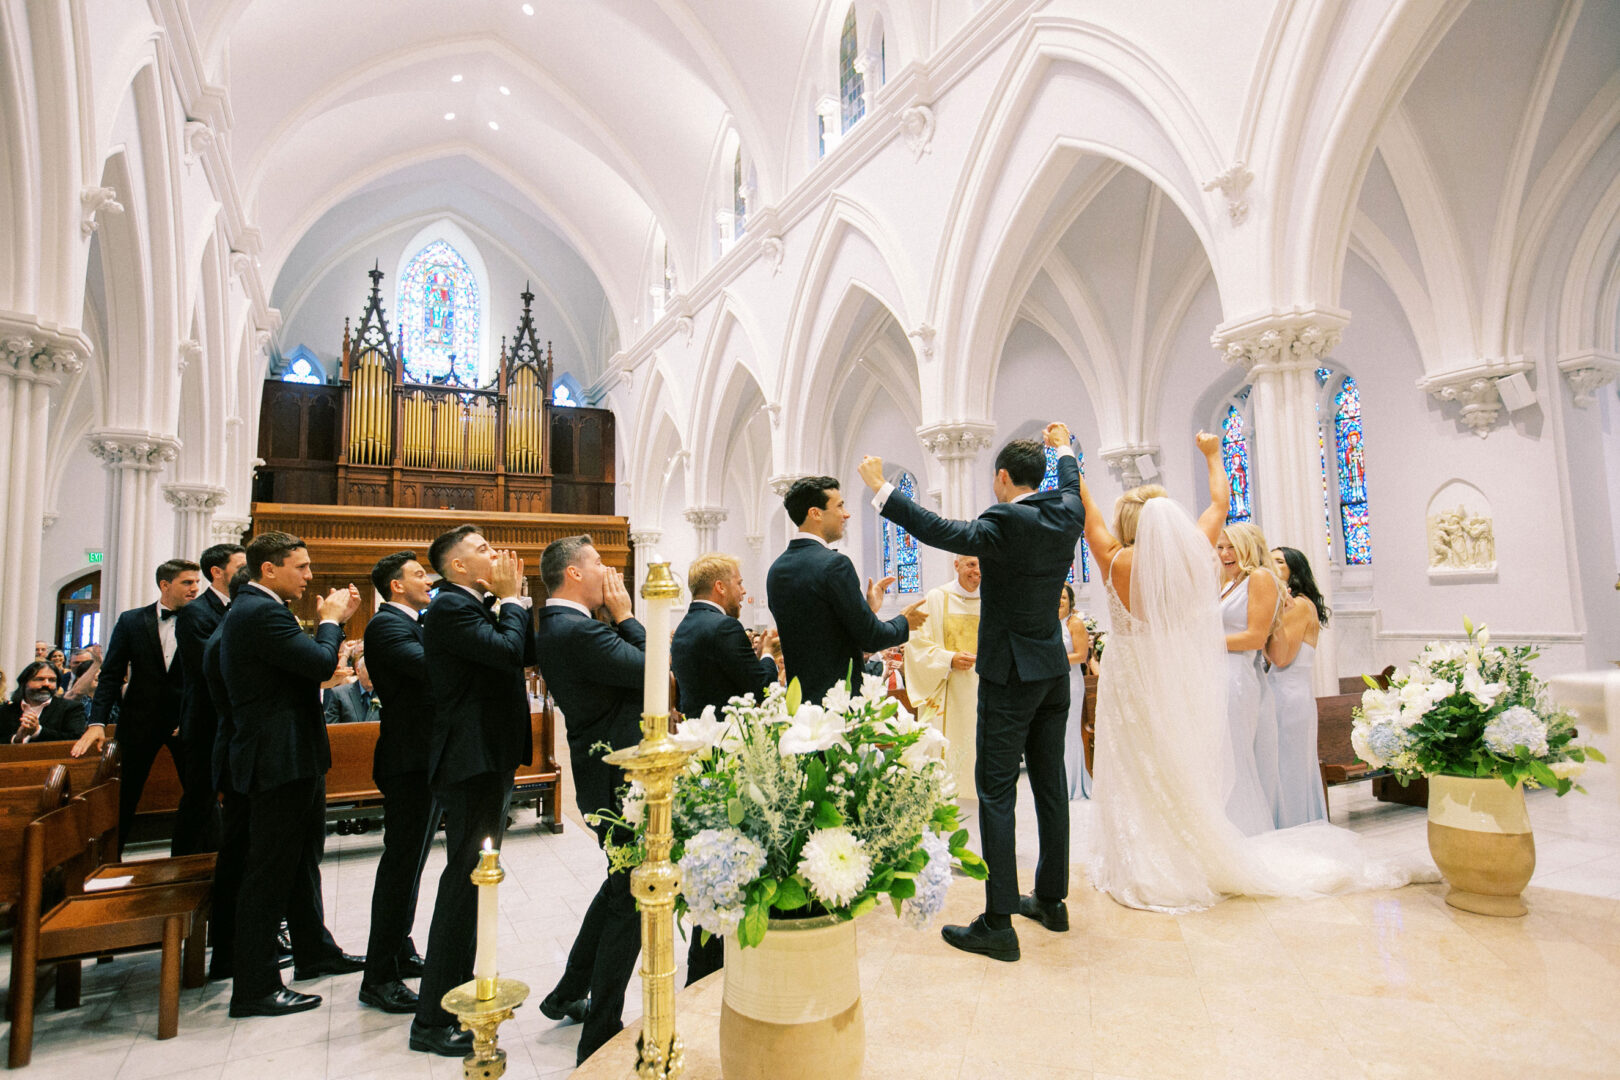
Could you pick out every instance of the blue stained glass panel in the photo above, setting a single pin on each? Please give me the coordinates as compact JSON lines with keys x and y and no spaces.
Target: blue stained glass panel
{"x":1350,"y":461}
{"x":1323,"y":375}
{"x":1048,"y":482}
{"x":1357,"y":533}
{"x":851,"y":84}
{"x":900,"y":550}
{"x":1321,"y":456}
{"x":300,"y":371}
{"x":439,"y":313}
{"x":1235,"y":458}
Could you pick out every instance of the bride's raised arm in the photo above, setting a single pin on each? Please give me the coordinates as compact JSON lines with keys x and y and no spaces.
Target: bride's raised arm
{"x":1103,"y":543}
{"x":1213,"y":519}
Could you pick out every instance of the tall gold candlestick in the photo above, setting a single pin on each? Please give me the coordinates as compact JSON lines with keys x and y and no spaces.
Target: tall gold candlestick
{"x":655,"y":762}
{"x":485,"y":1003}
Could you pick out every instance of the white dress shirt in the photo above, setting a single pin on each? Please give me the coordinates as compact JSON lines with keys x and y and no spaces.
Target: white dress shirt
{"x":406,"y":608}
{"x":166,"y":634}
{"x":581,"y":608}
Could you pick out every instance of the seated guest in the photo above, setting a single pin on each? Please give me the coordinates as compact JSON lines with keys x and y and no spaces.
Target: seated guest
{"x":354,"y":701}
{"x":35,"y":713}
{"x":58,"y":661}
{"x":42,"y":650}
{"x":714,"y":662}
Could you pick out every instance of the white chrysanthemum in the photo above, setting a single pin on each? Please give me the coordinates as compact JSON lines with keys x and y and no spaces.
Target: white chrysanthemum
{"x":836,"y":865}
{"x":1516,"y":727}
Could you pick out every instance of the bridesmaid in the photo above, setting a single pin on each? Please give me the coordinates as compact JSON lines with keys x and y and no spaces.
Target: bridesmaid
{"x":1077,"y":643}
{"x":1292,"y":651}
{"x":1251,"y":601}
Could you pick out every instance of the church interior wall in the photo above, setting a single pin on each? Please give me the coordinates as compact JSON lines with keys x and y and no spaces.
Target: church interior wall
{"x":81,"y":525}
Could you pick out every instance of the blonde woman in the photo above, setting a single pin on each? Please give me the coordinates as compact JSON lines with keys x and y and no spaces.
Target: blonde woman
{"x":1251,"y":604}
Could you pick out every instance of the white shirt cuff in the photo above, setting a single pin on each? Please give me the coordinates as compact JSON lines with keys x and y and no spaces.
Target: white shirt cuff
{"x":882,"y":495}
{"x":1065,"y":449}
{"x":323,"y":622}
{"x":524,"y":602}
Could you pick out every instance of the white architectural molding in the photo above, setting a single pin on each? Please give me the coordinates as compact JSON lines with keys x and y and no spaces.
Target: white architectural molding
{"x":1233,"y":185}
{"x":774,"y":251}
{"x":755,"y":542}
{"x":198,"y":137}
{"x":705,"y":521}
{"x":190,"y":350}
{"x":917,"y":125}
{"x":1588,"y":372}
{"x":94,"y":201}
{"x":956,"y":444}
{"x":229,"y":530}
{"x":923,"y":335}
{"x":1474,"y":389}
{"x":194,"y":496}
{"x":1294,"y":339}
{"x":130,"y":449}
{"x":782,"y":481}
{"x":1127,"y":461}
{"x":241,"y":263}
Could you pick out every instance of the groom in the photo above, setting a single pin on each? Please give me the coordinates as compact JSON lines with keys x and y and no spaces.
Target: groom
{"x":1025,"y":545}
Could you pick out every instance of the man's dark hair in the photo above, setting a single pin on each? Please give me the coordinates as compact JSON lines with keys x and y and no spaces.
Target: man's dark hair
{"x":389,"y":568}
{"x":270,"y":547}
{"x":1025,"y":462}
{"x":217,"y":556}
{"x":439,"y":553}
{"x":806,"y":493}
{"x":559,"y":556}
{"x":167,"y":572}
{"x":28,"y":673}
{"x":239,"y":581}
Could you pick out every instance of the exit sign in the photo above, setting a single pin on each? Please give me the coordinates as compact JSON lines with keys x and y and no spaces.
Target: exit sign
{"x":92,"y":556}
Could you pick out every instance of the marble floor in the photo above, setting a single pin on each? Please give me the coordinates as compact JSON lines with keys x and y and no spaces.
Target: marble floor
{"x":1378,"y":986}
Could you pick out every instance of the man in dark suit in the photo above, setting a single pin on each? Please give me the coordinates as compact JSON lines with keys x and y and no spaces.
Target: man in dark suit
{"x":279,"y":757}
{"x":357,"y":701}
{"x":595,"y":672}
{"x":815,"y":596}
{"x":196,"y":822}
{"x":475,"y":660}
{"x":233,"y":804}
{"x":35,"y":713}
{"x":1025,"y":544}
{"x":143,"y":650}
{"x":714,"y":662}
{"x":394,"y":668}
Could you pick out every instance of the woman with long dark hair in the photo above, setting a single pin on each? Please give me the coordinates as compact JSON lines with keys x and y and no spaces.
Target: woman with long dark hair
{"x":1292,"y":652}
{"x":1077,"y":643}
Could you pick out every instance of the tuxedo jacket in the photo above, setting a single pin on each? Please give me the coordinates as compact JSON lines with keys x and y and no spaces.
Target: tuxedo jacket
{"x":823,"y":618}
{"x":149,"y":707}
{"x":225,"y":726}
{"x":273,"y":673}
{"x":193,"y":626}
{"x":61,"y":720}
{"x":398,"y":669}
{"x":1025,"y":550}
{"x":713,"y":661}
{"x":594,"y":672}
{"x":475,"y":660}
{"x":347,"y":704}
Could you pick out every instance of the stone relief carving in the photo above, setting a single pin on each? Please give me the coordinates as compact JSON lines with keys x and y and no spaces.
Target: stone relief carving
{"x":917,"y":124}
{"x":1461,"y":532}
{"x":1233,"y":184}
{"x":774,"y":251}
{"x":93,"y":201}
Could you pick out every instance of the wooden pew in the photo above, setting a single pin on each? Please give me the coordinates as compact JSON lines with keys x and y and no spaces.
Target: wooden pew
{"x":19,"y":806}
{"x":1333,"y":749}
{"x":83,"y":773}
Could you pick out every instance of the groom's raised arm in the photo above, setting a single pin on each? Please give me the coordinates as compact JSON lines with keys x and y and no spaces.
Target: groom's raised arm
{"x":981,"y":536}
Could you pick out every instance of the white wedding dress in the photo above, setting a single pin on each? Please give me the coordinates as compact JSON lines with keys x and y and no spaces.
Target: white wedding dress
{"x":1164,"y":765}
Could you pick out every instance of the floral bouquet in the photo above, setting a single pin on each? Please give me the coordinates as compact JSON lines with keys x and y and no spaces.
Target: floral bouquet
{"x":790,"y":809}
{"x":1473,"y":710}
{"x":1098,"y":637}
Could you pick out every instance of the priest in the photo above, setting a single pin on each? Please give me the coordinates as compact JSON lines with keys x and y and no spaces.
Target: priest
{"x":939,"y":657}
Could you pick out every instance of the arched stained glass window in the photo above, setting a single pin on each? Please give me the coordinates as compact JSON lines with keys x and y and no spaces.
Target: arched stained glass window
{"x":1349,"y":459}
{"x":1048,"y":482}
{"x":851,"y":85}
{"x":439,"y":314}
{"x":900,"y":547}
{"x":565,"y":392}
{"x":1235,"y":457}
{"x":739,"y":205}
{"x":301,"y":371}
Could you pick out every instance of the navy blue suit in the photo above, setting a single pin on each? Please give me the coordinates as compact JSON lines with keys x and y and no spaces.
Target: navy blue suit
{"x":1025,"y":550}
{"x":196,"y":822}
{"x":821,"y":613}
{"x":714,"y":662}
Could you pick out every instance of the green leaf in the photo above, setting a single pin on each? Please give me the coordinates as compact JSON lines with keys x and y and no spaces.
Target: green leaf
{"x":754,"y":925}
{"x":791,"y":895}
{"x":795,"y":695}
{"x":827,"y":815}
{"x":959,"y":840}
{"x":734,"y":810}
{"x":1594,"y":753}
{"x":763,"y":891}
{"x":899,"y":904}
{"x":864,"y":903}
{"x":903,"y":888}
{"x":1543,"y":775}
{"x":880,"y":880}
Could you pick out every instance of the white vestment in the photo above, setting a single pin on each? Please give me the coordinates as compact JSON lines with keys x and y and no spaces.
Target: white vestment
{"x":946,"y":698}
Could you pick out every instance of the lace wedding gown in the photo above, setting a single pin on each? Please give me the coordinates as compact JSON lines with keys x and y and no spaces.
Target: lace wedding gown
{"x":1164,"y":765}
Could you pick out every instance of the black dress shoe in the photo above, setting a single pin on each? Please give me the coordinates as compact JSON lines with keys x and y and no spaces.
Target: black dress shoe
{"x":446,"y":1041}
{"x":340,"y":964}
{"x":1052,"y":914}
{"x":278,"y":1003}
{"x":390,"y":997}
{"x":412,"y":966}
{"x":556,"y":1007}
{"x":978,"y":937}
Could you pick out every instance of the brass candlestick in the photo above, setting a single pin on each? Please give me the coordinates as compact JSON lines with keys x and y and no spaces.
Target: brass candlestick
{"x":484,"y":1003}
{"x":655,"y":762}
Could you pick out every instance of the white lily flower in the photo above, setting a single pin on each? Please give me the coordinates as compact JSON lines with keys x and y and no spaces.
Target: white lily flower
{"x":813,"y":729}
{"x":1475,"y":686}
{"x":701,"y":734}
{"x":873,"y":687}
{"x":926,"y":750}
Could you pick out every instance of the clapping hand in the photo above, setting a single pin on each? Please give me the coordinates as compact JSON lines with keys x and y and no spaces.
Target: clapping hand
{"x":872,"y":472}
{"x":768,"y":643}
{"x":874,"y":593}
{"x":338,"y":605}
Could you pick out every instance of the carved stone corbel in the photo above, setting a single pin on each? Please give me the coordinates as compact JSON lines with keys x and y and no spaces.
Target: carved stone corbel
{"x":190,"y":350}
{"x":774,"y":251}
{"x":923,"y":335}
{"x":94,"y":201}
{"x":1233,"y":185}
{"x":1588,"y":372}
{"x":917,"y":124}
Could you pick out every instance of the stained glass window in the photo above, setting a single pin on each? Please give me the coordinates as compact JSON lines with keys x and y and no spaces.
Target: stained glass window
{"x":1048,"y":482}
{"x":1235,"y":456}
{"x":439,"y":312}
{"x":900,"y":547}
{"x":301,"y":371}
{"x":1321,"y":457}
{"x":560,"y":395}
{"x":566,"y":393}
{"x":851,"y":85}
{"x":1349,"y":456}
{"x":739,"y":205}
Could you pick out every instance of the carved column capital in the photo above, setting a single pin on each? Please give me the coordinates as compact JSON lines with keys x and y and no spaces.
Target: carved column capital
{"x":127,"y":449}
{"x":642,"y":539}
{"x":229,"y":530}
{"x":1275,"y":342}
{"x":194,"y":496}
{"x":1474,"y":389}
{"x":705,"y":517}
{"x":782,"y":481}
{"x":1588,"y":372}
{"x":756,"y":542}
{"x":190,"y":350}
{"x":956,"y":440}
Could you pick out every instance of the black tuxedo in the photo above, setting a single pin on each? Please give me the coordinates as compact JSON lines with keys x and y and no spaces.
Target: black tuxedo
{"x":823,"y":618}
{"x":148,"y":707}
{"x":396,"y":663}
{"x":596,"y":672}
{"x":278,"y":758}
{"x":62,"y":720}
{"x":350,"y":704}
{"x":714,"y":662}
{"x":1025,"y":550}
{"x":481,"y":733}
{"x":196,"y":823}
{"x":233,"y":816}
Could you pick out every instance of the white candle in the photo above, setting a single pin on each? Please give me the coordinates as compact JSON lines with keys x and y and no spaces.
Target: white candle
{"x":484,"y":959}
{"x":655,"y":695}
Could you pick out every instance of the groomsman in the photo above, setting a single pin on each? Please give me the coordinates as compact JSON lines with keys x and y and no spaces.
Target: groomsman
{"x":815,"y":596}
{"x":480,"y":735}
{"x":143,"y":650}
{"x":196,"y":822}
{"x":1025,"y":545}
{"x":398,"y":668}
{"x":714,"y":662}
{"x":233,"y":816}
{"x":594,"y":671}
{"x":279,"y":757}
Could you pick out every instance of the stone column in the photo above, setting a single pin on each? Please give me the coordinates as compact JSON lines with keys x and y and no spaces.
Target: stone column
{"x":30,"y":368}
{"x":194,"y":506}
{"x":133,"y":459}
{"x":1282,"y":353}
{"x":956,"y":444}
{"x":706,"y":523}
{"x":228,"y":530}
{"x":780,"y":484}
{"x":644,"y":542}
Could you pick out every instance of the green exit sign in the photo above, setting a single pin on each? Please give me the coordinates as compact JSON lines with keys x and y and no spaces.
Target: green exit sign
{"x":93,"y":556}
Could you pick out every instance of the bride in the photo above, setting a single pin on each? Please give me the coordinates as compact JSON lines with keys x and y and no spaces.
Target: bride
{"x":1165,"y":765}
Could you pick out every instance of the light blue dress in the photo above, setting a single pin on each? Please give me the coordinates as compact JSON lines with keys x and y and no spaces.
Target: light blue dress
{"x":1299,"y":771}
{"x":1252,"y":715}
{"x":1074,"y":747}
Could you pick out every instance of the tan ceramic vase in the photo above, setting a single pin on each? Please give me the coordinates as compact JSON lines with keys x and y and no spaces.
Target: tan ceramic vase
{"x":792,"y":1008}
{"x":1479,"y":835}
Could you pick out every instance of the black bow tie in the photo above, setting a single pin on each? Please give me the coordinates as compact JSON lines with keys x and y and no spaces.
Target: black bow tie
{"x":165,"y":614}
{"x":490,"y":601}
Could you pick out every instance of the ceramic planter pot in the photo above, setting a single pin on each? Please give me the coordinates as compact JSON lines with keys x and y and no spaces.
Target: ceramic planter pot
{"x":1479,"y":835}
{"x":792,"y":1008}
